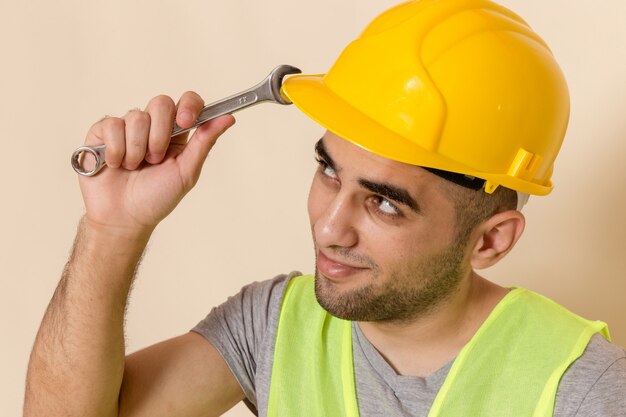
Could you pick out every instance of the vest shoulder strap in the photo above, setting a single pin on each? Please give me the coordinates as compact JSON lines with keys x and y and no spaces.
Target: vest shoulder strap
{"x":513,"y":365}
{"x":313,"y":371}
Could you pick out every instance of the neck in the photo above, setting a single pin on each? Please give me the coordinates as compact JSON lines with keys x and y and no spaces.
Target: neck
{"x":421,"y":346}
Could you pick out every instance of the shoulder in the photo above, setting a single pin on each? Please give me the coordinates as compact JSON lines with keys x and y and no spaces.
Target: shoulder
{"x":596,"y":383}
{"x":253,"y":306}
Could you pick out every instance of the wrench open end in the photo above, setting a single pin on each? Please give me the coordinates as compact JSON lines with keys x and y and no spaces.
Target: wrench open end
{"x":276,"y":81}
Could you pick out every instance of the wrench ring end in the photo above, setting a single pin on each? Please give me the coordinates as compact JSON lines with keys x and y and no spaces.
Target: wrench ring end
{"x":77,"y":160}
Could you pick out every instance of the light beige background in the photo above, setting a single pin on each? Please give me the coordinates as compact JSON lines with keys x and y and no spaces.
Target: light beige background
{"x":67,"y":63}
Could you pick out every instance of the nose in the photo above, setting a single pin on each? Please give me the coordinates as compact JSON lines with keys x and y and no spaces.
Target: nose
{"x":335,"y":227}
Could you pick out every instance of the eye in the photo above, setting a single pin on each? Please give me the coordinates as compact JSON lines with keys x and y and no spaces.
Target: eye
{"x":384,"y":207}
{"x":329,"y":172}
{"x":325,"y":169}
{"x":387,"y":207}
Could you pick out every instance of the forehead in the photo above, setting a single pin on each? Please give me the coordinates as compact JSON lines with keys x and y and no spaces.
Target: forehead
{"x":354,"y":158}
{"x":354,"y":162}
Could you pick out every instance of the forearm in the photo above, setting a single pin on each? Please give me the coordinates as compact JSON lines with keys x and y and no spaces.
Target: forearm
{"x":77,"y":362}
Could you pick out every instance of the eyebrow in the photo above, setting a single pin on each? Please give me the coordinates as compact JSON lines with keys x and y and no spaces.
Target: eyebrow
{"x":397,"y":194}
{"x":392,"y":192}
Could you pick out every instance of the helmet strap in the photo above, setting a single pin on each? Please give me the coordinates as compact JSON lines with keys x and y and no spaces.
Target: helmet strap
{"x":463,"y":180}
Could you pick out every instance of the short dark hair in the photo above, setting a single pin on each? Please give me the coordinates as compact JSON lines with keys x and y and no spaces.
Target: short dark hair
{"x":472,"y":207}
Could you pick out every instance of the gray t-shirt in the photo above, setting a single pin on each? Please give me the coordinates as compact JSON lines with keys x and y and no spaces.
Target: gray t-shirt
{"x":243,"y":330}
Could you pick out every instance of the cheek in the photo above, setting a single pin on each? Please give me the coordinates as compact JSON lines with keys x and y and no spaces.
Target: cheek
{"x":403,"y":249}
{"x":393,"y":251}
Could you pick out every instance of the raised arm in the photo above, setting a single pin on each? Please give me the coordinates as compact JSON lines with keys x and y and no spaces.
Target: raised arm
{"x":77,"y":366}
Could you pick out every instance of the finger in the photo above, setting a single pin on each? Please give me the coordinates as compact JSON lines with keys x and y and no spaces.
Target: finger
{"x":109,"y":131}
{"x":137,"y":128}
{"x":161,"y":110}
{"x":195,"y":153}
{"x":188,"y":109}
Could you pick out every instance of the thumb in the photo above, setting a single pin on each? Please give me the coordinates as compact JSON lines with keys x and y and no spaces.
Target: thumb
{"x":191,"y":159}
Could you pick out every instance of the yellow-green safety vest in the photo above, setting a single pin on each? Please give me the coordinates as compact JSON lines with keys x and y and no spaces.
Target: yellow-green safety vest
{"x":511,"y":367}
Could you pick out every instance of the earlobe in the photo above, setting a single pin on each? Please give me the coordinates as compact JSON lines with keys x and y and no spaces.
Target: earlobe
{"x":496,"y":237}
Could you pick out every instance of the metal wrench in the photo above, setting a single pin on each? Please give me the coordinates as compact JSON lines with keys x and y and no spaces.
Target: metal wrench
{"x":266,"y":90}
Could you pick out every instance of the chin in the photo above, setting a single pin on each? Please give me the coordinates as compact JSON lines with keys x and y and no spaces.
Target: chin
{"x":345,"y":303}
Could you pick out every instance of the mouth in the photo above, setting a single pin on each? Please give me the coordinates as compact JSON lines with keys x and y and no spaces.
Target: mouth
{"x":334,"y":269}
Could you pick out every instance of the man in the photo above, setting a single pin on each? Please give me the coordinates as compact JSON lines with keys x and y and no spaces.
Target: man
{"x":441,"y":118}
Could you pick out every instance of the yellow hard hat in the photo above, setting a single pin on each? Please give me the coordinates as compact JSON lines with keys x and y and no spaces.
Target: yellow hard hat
{"x":464,"y":86}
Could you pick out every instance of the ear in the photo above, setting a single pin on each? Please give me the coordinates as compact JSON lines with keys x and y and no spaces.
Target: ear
{"x":495,"y":237}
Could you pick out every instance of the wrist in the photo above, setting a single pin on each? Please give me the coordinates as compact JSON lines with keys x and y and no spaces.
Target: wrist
{"x":103,"y":263}
{"x":111,"y":244}
{"x":121,"y":234}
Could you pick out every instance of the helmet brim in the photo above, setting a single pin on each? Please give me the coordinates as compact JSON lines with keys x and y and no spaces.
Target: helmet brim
{"x":315,"y":99}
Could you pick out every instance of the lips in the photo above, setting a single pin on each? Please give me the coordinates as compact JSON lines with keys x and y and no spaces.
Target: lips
{"x":333,"y":269}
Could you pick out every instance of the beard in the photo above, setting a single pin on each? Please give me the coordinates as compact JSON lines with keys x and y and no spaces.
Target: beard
{"x":408,"y":293}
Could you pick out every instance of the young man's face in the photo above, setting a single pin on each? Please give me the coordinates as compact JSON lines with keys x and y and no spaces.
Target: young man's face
{"x":384,"y":235}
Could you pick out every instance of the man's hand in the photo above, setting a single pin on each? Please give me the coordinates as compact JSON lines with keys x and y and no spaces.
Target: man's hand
{"x":77,"y":365}
{"x":148,"y":172}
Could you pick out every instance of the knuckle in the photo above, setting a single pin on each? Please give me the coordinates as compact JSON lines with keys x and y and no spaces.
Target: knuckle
{"x":142,"y":119}
{"x":98,"y":126}
{"x":136,"y":116}
{"x":112,"y":124}
{"x":161,"y":103}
